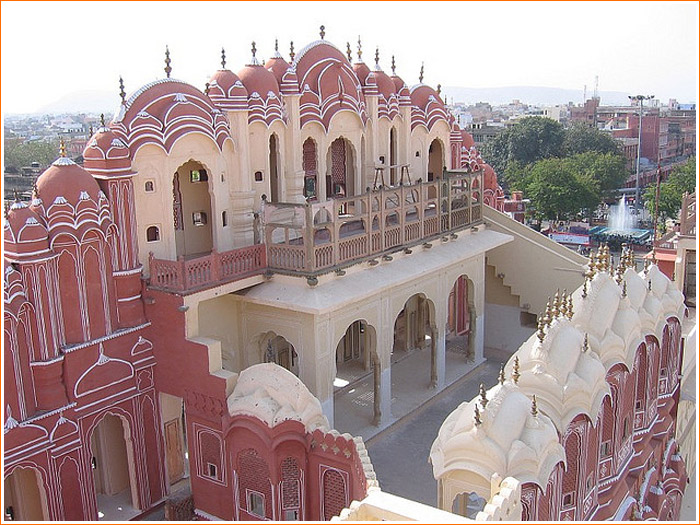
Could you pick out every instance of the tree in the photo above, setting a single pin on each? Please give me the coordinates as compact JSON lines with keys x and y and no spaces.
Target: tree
{"x":19,"y":154}
{"x":558,"y":191}
{"x":681,"y":180}
{"x":579,"y":138}
{"x":607,"y":171}
{"x":529,"y":140}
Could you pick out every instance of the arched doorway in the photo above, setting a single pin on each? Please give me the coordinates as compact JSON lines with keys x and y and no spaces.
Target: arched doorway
{"x":113,"y":469}
{"x":340,"y":178}
{"x":272,"y":348}
{"x":415,"y":339}
{"x":393,"y":156}
{"x":309,"y":165}
{"x":25,"y":497}
{"x":358,"y":374}
{"x":275,"y":191}
{"x":192,"y":215}
{"x":461,"y":318}
{"x":435,"y":160}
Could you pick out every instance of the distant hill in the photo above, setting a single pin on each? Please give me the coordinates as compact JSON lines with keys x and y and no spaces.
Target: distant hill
{"x":83,"y":102}
{"x":529,"y":95}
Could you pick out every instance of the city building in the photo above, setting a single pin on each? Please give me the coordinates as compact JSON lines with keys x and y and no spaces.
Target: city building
{"x":183,"y":308}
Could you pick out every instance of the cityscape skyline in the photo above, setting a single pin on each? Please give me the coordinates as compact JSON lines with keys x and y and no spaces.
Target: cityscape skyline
{"x":633,"y":57}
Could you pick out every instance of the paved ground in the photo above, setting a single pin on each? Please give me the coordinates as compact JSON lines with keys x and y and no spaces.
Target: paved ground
{"x":400,"y":453}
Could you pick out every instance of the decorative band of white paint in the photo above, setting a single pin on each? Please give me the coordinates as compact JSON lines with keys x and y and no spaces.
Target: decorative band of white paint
{"x":132,"y":271}
{"x":47,"y":362}
{"x":113,"y":335}
{"x":127,"y":299}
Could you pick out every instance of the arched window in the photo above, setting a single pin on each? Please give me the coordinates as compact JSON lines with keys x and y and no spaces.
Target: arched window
{"x":152,"y":234}
{"x":309,"y":165}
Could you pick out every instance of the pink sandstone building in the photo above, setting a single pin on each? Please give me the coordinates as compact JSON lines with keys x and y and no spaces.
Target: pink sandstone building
{"x":181,"y":307}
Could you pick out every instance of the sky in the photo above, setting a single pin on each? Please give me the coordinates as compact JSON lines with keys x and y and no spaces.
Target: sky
{"x":50,"y":49}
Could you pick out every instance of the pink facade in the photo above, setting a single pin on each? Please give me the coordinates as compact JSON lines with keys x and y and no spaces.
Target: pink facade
{"x":625,"y":465}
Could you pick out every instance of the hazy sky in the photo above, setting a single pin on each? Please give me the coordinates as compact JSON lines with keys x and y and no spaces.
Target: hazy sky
{"x":54,"y":48}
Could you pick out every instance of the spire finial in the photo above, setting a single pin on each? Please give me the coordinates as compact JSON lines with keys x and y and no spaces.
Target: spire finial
{"x":168,"y":69}
{"x":516,"y":370}
{"x":359,"y":49}
{"x":62,"y":150}
{"x":646,"y":266}
{"x":439,"y":89}
{"x":624,"y":288}
{"x":91,"y":131}
{"x":349,"y":53}
{"x":590,"y":273}
{"x":393,"y":66}
{"x":477,"y":416}
{"x":482,"y":394}
{"x":570,"y":307}
{"x":548,"y":313}
{"x":420,"y":77}
{"x":323,"y":32}
{"x":206,"y":88}
{"x":533,"y":408}
{"x":223,"y":58}
{"x":563,"y":303}
{"x":276,"y":46}
{"x":540,"y":328}
{"x":584,"y":292}
{"x":502,"y":374}
{"x":291,"y":51}
{"x":556,"y":305}
{"x":585,"y":346}
{"x":122,"y":93}
{"x":253,"y":49}
{"x":102,"y":120}
{"x":376,"y":56}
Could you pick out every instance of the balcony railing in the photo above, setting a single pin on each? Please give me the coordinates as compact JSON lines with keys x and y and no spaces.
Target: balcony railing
{"x":314,"y":238}
{"x":191,"y":274}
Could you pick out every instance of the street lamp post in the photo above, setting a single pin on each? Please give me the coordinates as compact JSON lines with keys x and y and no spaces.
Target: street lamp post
{"x":640,"y":99}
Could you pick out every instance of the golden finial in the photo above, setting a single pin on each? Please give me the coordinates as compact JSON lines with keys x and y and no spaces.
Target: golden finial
{"x":62,"y":148}
{"x":646,"y":266}
{"x":562,"y":304}
{"x":439,"y":89}
{"x":168,"y":69}
{"x":516,"y":370}
{"x":570,"y":307}
{"x":122,"y":93}
{"x":590,"y":272}
{"x":502,"y":374}
{"x":349,"y":53}
{"x":540,"y":328}
{"x":653,"y":254}
{"x":620,"y":271}
{"x":477,"y":416}
{"x":533,"y":408}
{"x":323,"y":32}
{"x":548,"y":313}
{"x":253,"y":49}
{"x":606,"y":256}
{"x":359,"y":49}
{"x":585,"y":346}
{"x":420,"y":77}
{"x":482,"y":395}
{"x":393,"y":66}
{"x":291,"y":51}
{"x":624,"y":288}
{"x":584,"y":292}
{"x":556,"y":305}
{"x":600,"y":265}
{"x":206,"y":88}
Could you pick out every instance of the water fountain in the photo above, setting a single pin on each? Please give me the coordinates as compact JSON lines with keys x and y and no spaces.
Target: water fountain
{"x":620,"y":218}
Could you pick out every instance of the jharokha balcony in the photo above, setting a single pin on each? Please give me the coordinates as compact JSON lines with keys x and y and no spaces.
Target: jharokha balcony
{"x":319,"y":237}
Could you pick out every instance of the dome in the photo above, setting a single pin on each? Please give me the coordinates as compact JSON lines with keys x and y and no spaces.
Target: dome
{"x":257,"y":79}
{"x":278,"y":66}
{"x":165,"y":110}
{"x":106,"y":155}
{"x":66,"y":182}
{"x":25,"y":233}
{"x":227,"y":91}
{"x":423,"y":94}
{"x":385,"y":85}
{"x":467,"y":139}
{"x":490,"y":178}
{"x":362,"y":71}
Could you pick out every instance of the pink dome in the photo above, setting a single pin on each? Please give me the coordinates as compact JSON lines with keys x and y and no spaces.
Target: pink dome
{"x":278,"y":66}
{"x":106,"y":155}
{"x":227,"y":91}
{"x":64,"y":179}
{"x":362,"y":71}
{"x":25,"y":233}
{"x":421,"y":96}
{"x":467,"y":139}
{"x":257,"y":79}
{"x":385,"y":84}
